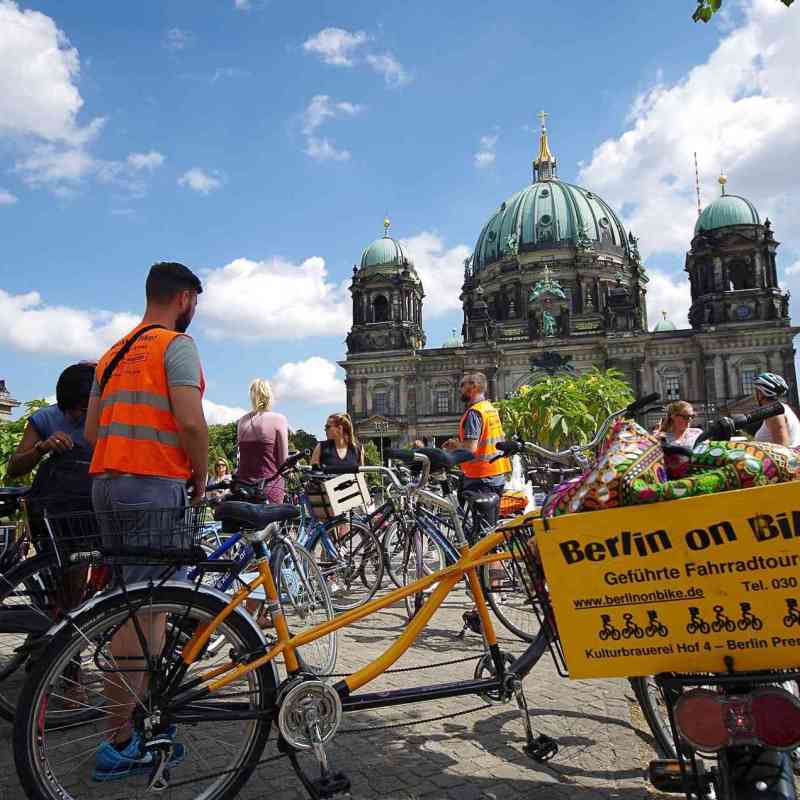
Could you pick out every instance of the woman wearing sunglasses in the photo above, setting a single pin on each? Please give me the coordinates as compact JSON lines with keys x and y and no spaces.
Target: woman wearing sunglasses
{"x":675,"y":427}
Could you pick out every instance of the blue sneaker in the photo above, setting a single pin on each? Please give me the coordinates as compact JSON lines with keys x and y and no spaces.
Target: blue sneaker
{"x":111,"y":764}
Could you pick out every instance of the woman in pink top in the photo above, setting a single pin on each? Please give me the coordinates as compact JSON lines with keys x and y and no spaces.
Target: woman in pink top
{"x":263,"y":440}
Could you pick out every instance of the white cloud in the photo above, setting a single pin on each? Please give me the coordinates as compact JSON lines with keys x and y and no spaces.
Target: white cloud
{"x":319,"y":110}
{"x":32,"y":326}
{"x":6,"y":198}
{"x":218,"y":414}
{"x":335,"y":45}
{"x":200,"y":181}
{"x":242,"y":5}
{"x":40,"y":106}
{"x":668,"y":293}
{"x":274,"y":300}
{"x":394,"y":74}
{"x":486,"y":155}
{"x":145,"y":161}
{"x":793,"y":269}
{"x":229,"y":72}
{"x":314,"y":381}
{"x":177,"y":39}
{"x":740,"y":110}
{"x":441,"y":271}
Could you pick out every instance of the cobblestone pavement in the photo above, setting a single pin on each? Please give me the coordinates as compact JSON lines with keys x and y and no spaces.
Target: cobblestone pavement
{"x":603,"y":749}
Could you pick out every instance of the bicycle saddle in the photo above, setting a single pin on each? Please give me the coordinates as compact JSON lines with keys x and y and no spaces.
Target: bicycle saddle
{"x":254,"y":516}
{"x":440,"y":459}
{"x":479,"y":498}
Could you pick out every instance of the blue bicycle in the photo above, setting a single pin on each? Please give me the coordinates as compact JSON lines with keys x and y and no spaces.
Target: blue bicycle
{"x":347,"y":552}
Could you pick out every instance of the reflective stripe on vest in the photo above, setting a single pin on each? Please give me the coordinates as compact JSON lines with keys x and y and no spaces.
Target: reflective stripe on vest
{"x":482,"y":465}
{"x":137,"y":432}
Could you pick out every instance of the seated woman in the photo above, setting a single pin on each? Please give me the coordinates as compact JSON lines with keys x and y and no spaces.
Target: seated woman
{"x":263,"y":440}
{"x":785,"y":428}
{"x":674,"y":428}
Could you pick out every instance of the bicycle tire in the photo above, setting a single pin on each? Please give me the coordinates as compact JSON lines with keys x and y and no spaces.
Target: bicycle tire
{"x":651,"y":701}
{"x":301,"y":611}
{"x":355,"y":574}
{"x":511,"y":605}
{"x":410,"y":573}
{"x":393,"y":547}
{"x":36,"y":762}
{"x":23,"y":595}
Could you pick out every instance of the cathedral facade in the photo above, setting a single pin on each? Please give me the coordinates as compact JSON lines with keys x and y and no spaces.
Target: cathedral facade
{"x":555,"y":283}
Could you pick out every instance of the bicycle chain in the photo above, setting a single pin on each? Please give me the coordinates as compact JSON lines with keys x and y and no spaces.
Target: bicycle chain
{"x":343,"y":731}
{"x":406,"y":669}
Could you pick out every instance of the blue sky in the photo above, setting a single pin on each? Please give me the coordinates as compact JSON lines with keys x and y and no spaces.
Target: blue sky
{"x":261,"y":143}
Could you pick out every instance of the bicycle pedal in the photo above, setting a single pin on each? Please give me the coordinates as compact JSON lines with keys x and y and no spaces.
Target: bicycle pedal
{"x":542,"y":748}
{"x":330,"y":785}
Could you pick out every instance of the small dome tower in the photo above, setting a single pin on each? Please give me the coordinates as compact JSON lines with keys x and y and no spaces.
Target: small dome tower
{"x":387,"y":299}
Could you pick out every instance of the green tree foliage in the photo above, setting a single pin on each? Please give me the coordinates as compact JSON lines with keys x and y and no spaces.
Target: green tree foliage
{"x":562,"y":410}
{"x":372,"y":458}
{"x":300,"y":440}
{"x":10,"y":436}
{"x":707,"y":8}
{"x":222,"y":444}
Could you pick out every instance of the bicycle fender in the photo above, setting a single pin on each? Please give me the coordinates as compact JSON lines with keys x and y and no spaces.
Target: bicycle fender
{"x":89,"y":606}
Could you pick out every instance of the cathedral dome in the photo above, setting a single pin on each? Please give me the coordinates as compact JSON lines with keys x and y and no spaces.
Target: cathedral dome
{"x":728,"y":209}
{"x":664,"y":324}
{"x":385,"y":255}
{"x":548,"y":214}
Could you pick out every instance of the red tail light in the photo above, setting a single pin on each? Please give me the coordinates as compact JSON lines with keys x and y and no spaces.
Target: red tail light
{"x":768,"y":716}
{"x":776,"y":713}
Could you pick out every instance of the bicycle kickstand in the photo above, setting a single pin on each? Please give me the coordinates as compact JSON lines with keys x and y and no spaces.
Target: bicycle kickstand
{"x":540,"y":748}
{"x":162,"y":748}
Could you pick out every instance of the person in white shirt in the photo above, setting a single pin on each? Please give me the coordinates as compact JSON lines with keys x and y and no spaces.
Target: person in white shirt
{"x":784,"y":428}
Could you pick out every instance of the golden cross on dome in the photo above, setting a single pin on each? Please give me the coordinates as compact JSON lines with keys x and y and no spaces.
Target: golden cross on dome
{"x":386,"y":224}
{"x":664,"y":314}
{"x":543,"y":115}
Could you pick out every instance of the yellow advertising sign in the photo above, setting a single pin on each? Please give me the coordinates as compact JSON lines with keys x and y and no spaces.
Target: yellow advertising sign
{"x":678,"y":586}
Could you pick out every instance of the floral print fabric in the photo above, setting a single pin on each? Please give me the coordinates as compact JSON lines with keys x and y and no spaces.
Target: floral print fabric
{"x":631,"y":470}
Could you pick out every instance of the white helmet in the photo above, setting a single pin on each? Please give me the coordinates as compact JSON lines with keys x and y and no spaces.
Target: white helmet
{"x":770,"y":384}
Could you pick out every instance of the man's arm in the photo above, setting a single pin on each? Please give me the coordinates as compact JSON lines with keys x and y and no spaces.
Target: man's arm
{"x":461,"y":444}
{"x":92,"y":416}
{"x":187,"y":408}
{"x":778,"y":429}
{"x":473,"y":425}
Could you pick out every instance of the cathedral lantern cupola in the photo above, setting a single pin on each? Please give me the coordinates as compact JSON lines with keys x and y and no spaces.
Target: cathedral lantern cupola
{"x":544,"y":166}
{"x":387,"y":299}
{"x":731,"y":265}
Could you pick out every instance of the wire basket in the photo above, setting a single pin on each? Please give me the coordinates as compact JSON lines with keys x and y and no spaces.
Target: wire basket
{"x":135,"y":536}
{"x":528,"y":574}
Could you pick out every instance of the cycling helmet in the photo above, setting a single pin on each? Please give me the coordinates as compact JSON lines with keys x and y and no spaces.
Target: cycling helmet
{"x":770,"y":384}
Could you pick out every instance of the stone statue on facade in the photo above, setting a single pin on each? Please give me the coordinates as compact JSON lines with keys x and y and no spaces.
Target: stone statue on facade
{"x":512,"y":244}
{"x":548,"y":324}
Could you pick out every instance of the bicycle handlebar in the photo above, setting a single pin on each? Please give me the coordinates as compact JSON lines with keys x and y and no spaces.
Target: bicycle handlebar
{"x":724,"y":427}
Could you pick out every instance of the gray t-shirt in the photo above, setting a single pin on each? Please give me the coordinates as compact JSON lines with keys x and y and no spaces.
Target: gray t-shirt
{"x":181,"y":362}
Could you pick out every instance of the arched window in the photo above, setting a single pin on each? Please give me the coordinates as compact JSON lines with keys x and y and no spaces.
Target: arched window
{"x":741,"y":275}
{"x":380,"y":309}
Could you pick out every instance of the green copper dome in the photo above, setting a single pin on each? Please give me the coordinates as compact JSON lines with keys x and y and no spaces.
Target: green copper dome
{"x":385,"y":253}
{"x":729,"y":209}
{"x":664,"y":324}
{"x":549,"y":214}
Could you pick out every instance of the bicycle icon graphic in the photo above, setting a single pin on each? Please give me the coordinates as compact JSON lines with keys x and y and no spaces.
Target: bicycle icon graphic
{"x":748,"y":620}
{"x":631,"y":629}
{"x":792,"y":613}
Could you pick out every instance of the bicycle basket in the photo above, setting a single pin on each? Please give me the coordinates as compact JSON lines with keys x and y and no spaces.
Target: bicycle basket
{"x":152,"y":536}
{"x":528,"y":573}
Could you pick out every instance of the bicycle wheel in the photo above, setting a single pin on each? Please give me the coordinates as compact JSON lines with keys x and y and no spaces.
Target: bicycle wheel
{"x":55,"y":760}
{"x":508,"y":597}
{"x":353,"y":571}
{"x":393,"y":544}
{"x":306,"y":602}
{"x":26,"y":611}
{"x":651,"y":701}
{"x":432,"y":560}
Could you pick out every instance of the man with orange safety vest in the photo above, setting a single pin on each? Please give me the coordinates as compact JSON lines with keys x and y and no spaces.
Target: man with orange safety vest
{"x":479,"y":431}
{"x":146,"y":422}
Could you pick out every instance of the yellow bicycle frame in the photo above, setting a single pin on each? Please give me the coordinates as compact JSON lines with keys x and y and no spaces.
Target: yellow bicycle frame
{"x":470,"y":559}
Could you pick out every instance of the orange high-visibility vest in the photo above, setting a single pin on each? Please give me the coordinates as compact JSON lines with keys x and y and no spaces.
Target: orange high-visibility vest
{"x":137,"y":432}
{"x":491,"y":433}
